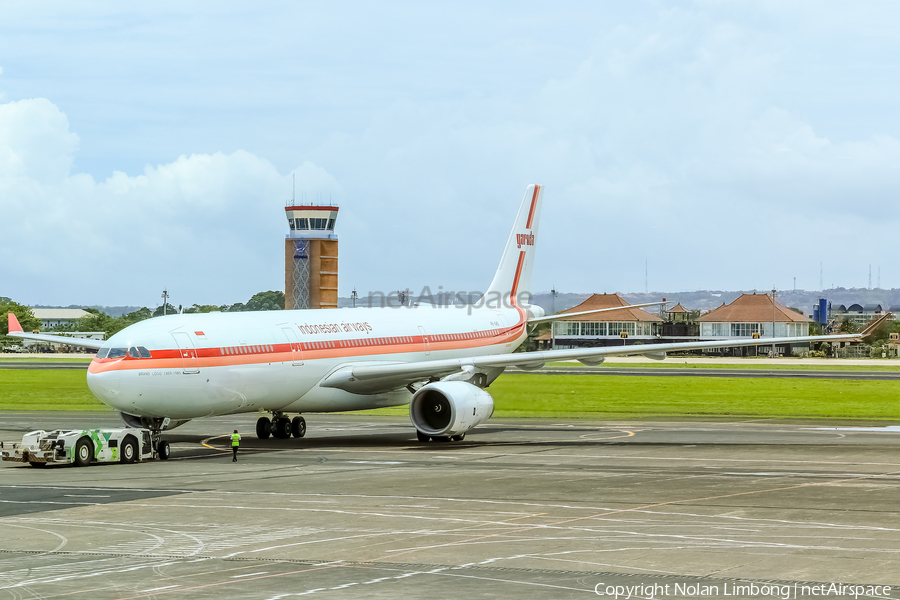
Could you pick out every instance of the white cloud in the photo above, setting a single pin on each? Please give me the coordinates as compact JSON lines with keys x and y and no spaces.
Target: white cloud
{"x":754,"y":139}
{"x":201,"y":219}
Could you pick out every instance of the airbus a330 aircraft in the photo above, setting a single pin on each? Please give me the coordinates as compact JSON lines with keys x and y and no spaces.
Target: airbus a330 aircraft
{"x":161,"y":372}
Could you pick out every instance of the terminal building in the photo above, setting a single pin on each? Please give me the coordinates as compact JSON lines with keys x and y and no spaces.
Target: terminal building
{"x":751,"y":315}
{"x":603,"y":329}
{"x":311,"y":257}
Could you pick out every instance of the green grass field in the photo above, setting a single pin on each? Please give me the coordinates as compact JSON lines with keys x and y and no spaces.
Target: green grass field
{"x":572,"y":396}
{"x":673,"y":363}
{"x":46,"y":389}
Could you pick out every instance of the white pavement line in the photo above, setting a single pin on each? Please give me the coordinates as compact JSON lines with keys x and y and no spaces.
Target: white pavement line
{"x":168,"y":587}
{"x":83,"y":496}
{"x":248,"y":575}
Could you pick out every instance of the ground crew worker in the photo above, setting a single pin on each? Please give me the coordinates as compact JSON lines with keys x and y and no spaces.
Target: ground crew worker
{"x":235,"y":442}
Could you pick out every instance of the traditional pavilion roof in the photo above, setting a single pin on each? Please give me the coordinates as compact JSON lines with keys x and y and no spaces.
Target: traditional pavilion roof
{"x":678,"y":308}
{"x":753,"y":308}
{"x":609,"y":301}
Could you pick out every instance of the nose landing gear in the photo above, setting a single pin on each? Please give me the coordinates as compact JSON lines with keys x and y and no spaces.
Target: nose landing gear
{"x":280,"y":426}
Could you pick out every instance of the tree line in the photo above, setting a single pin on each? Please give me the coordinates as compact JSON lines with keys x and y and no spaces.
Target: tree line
{"x":100,"y":321}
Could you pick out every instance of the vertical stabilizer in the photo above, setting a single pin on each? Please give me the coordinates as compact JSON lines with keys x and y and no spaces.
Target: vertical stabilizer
{"x":513,"y":277}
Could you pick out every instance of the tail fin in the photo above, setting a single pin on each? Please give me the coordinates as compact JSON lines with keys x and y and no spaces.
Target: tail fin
{"x":513,"y":277}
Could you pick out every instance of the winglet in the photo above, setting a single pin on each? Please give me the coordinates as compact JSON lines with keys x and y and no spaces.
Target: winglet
{"x":14,"y":323}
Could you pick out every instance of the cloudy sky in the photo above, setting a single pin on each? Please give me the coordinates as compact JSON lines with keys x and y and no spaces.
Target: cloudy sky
{"x":731,"y":145}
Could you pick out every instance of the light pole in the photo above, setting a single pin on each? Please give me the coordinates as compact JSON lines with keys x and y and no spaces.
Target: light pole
{"x":353,"y":297}
{"x":553,"y":295}
{"x":165,"y":299}
{"x":773,"y":321}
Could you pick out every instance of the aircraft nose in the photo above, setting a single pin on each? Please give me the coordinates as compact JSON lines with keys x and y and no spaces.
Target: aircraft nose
{"x":105,"y":385}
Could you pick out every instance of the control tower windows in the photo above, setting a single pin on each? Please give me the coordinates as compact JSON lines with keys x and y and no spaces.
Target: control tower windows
{"x":302,"y":223}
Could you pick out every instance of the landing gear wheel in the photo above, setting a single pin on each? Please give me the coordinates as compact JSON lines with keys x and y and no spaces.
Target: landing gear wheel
{"x":129,"y":451}
{"x":283,"y":428}
{"x":298,"y":427}
{"x":84,"y":452}
{"x":163,"y":450}
{"x":458,"y":438}
{"x":441,"y":438}
{"x":422,"y":437}
{"x":263,"y":428}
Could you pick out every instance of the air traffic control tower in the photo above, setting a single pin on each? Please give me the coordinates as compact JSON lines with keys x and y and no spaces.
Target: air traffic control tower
{"x":311,"y":257}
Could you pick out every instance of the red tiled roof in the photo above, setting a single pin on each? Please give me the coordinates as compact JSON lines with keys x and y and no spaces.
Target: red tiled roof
{"x":609,"y":301}
{"x":753,"y":308}
{"x":678,"y":308}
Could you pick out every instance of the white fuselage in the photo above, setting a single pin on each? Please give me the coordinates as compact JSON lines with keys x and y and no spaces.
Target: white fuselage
{"x":200,"y":365}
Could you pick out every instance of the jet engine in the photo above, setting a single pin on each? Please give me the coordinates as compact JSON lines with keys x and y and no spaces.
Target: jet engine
{"x":446,"y":410}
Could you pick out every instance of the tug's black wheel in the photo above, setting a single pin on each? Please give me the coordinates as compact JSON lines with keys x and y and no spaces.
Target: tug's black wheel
{"x":129,"y":451}
{"x":163,"y":450}
{"x":84,"y":452}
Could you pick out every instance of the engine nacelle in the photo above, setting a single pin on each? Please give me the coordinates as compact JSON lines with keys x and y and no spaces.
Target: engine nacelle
{"x":448,"y":408}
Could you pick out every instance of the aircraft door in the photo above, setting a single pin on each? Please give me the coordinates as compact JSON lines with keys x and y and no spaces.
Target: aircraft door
{"x":189,"y":358}
{"x":291,"y":336}
{"x":425,"y":340}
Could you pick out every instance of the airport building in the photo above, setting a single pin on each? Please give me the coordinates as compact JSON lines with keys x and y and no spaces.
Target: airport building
{"x":311,"y":257}
{"x":753,"y":315}
{"x":603,"y":329}
{"x":749,"y":316}
{"x":55,"y":317}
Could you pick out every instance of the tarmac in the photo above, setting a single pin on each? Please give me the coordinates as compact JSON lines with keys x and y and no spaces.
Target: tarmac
{"x":521,"y":508}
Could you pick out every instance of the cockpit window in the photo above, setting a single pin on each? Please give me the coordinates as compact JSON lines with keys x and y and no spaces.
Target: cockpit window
{"x":144,"y":352}
{"x":102,"y":352}
{"x":116,"y":353}
{"x":133,"y":352}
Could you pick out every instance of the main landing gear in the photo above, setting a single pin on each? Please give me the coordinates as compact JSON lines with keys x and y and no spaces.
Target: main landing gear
{"x":280,"y":426}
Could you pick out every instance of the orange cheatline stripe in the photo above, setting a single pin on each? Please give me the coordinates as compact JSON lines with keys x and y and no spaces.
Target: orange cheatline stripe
{"x":533,"y":206}
{"x":212,"y":357}
{"x":515,"y":285}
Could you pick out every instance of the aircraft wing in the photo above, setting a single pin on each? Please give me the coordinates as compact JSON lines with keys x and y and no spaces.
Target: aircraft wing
{"x":15,"y":330}
{"x":370,"y":378}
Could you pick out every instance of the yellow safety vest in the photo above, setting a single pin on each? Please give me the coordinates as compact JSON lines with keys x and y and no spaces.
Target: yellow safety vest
{"x":235,"y":438}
